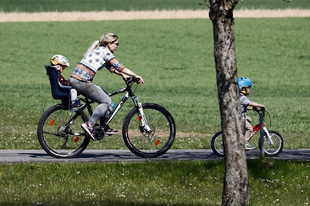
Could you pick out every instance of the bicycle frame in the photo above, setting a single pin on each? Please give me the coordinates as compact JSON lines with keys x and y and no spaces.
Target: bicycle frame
{"x":256,"y":128}
{"x":129,"y":94}
{"x":138,"y":105}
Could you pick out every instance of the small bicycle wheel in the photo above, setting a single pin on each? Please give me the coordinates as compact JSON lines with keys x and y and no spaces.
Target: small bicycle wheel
{"x":149,"y":144}
{"x":217,"y":144}
{"x":60,"y":133}
{"x":275,"y":147}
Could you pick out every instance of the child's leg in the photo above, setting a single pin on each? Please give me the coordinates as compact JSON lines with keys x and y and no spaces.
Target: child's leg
{"x":75,"y":102}
{"x":73,"y":95}
{"x":248,"y":129}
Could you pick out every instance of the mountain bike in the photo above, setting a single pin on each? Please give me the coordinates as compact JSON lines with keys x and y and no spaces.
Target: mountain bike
{"x":272,"y":145}
{"x":148,"y":129}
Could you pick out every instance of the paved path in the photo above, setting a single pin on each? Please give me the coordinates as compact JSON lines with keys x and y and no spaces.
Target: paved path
{"x":18,"y":156}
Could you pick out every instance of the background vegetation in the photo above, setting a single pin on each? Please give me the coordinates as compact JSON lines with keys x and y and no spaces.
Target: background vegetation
{"x":134,"y":5}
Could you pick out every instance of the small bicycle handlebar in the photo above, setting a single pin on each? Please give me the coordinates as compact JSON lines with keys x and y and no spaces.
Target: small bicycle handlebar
{"x":259,"y":109}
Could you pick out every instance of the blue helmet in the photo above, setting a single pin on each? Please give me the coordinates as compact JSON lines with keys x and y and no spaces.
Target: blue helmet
{"x":244,"y":82}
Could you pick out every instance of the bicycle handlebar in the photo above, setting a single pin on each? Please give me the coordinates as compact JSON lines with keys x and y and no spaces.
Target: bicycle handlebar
{"x":259,"y":109}
{"x":131,"y":80}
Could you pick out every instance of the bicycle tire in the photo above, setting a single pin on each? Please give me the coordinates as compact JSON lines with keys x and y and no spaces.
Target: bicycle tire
{"x":156,"y":143}
{"x":217,"y":144}
{"x":59,"y":140}
{"x":273,"y":150}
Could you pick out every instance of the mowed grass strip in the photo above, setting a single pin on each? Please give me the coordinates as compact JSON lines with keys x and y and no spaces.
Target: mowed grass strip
{"x":272,"y":182}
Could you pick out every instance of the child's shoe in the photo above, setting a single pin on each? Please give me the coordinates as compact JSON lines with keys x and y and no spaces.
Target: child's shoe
{"x":248,"y":146}
{"x":76,"y":104}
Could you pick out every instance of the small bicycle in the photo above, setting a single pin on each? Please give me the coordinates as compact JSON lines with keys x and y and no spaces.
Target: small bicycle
{"x":148,"y":129}
{"x":273,"y":143}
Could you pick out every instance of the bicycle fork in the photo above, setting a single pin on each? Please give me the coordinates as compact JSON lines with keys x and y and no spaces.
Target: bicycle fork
{"x":267,"y":136}
{"x":145,"y":126}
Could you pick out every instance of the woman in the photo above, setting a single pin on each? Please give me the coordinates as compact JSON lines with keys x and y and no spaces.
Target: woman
{"x":98,"y":55}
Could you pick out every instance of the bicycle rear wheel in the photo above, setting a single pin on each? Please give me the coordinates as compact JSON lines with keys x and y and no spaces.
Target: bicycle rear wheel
{"x":149,"y":144}
{"x":60,"y":133}
{"x":275,"y":148}
{"x":217,"y":145}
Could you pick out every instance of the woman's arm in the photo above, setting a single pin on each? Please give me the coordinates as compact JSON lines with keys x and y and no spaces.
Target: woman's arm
{"x":130,"y":73}
{"x":117,"y":68}
{"x":121,"y":74}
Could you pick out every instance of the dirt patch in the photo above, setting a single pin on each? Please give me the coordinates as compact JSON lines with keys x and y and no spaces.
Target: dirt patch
{"x":178,"y":134}
{"x":131,"y":15}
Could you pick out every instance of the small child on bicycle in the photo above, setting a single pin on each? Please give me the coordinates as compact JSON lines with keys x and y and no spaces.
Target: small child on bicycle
{"x":61,"y":62}
{"x":244,"y":85}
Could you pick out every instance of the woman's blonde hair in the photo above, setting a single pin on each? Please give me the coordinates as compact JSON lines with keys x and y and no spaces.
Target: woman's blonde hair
{"x":104,"y":41}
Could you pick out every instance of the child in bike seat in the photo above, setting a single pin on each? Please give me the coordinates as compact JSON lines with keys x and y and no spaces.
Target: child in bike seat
{"x":61,"y":62}
{"x":244,"y":85}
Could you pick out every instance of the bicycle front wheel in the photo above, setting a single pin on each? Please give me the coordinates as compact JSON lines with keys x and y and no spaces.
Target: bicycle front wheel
{"x":152,"y":143}
{"x":60,"y":133}
{"x":217,"y":145}
{"x":275,"y":146}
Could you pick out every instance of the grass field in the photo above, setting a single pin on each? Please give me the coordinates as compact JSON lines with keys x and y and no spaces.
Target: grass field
{"x":135,"y":5}
{"x":175,"y":57}
{"x":186,"y":183}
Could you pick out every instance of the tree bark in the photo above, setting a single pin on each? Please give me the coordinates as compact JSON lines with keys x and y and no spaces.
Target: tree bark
{"x":236,"y":182}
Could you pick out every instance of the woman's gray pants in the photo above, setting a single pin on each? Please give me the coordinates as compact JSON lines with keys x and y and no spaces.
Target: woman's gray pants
{"x":93,"y":92}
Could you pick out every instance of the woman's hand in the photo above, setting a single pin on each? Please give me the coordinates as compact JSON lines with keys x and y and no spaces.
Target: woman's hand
{"x":138,"y":79}
{"x":124,"y":76}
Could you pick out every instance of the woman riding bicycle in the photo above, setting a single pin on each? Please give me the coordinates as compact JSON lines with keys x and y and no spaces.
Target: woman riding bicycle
{"x":98,"y":55}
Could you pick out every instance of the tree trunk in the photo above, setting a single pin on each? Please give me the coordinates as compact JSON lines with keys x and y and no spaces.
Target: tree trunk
{"x":236,"y":182}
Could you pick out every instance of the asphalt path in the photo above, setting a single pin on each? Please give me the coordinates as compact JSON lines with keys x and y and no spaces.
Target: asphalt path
{"x":40,"y":156}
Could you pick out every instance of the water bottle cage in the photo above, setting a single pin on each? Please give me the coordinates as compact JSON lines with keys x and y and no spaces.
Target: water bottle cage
{"x":110,"y":109}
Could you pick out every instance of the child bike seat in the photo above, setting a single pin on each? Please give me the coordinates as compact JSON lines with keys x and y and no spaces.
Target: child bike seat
{"x":59,"y":91}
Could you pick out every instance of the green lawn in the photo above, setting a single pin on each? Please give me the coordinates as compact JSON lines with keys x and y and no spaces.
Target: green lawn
{"x":175,"y":58}
{"x":182,"y":183}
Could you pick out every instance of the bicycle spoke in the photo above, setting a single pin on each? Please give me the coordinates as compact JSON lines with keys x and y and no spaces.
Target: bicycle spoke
{"x":152,"y":138}
{"x":274,"y":145}
{"x":59,"y":135}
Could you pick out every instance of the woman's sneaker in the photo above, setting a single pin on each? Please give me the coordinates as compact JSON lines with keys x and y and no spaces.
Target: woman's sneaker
{"x":89,"y":129}
{"x":111,"y":131}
